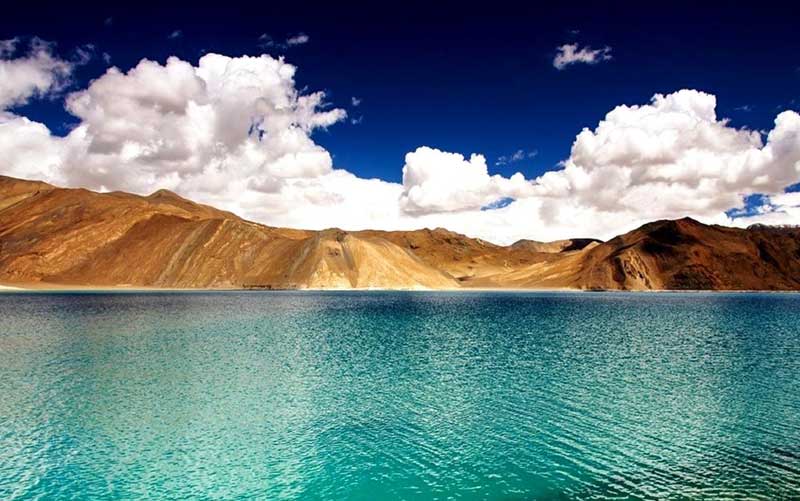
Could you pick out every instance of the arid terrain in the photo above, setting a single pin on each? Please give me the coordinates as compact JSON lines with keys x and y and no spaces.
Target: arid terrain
{"x":51,"y":237}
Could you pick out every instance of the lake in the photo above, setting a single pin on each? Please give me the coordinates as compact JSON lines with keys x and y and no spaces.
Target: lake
{"x":399,"y":395}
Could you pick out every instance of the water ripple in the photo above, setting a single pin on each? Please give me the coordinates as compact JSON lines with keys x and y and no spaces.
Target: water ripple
{"x":355,"y":395}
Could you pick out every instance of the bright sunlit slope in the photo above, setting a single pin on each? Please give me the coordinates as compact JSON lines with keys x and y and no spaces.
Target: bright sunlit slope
{"x":53,"y":236}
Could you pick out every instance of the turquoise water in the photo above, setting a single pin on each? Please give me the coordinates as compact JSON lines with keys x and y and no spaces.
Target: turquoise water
{"x":373,"y":395}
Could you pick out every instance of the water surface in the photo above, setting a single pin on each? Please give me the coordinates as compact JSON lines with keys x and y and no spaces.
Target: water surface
{"x":399,"y":395}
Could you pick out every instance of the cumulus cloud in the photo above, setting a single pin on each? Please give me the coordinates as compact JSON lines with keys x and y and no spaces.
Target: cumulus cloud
{"x":668,"y":159}
{"x":28,"y":149}
{"x":238,"y":134}
{"x":571,"y":53}
{"x":673,"y":147}
{"x":222,"y":131}
{"x":175,"y":34}
{"x":35,"y":73}
{"x":437,"y":181}
{"x":780,"y":209}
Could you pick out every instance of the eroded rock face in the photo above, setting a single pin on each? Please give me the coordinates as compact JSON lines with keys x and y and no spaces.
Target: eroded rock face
{"x":59,"y":236}
{"x":685,"y":254}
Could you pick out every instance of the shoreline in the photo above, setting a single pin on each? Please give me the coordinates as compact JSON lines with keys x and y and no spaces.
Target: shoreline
{"x":63,"y":288}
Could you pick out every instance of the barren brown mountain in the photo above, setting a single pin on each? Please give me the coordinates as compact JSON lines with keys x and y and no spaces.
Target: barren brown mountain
{"x":73,"y":237}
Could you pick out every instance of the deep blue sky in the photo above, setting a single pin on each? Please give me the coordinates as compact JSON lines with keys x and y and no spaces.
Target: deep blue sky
{"x":461,"y":79}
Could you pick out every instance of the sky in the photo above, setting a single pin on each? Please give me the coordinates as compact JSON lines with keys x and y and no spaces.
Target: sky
{"x":503,"y":123}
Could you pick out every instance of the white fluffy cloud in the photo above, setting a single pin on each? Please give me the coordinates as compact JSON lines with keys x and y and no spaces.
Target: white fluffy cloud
{"x":236,"y":133}
{"x":672,"y":158}
{"x":437,"y":181}
{"x":571,"y":53}
{"x":28,"y":150}
{"x":210,"y":131}
{"x":33,"y":74}
{"x":780,"y":209}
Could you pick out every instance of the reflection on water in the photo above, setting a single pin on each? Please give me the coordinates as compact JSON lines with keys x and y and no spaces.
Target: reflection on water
{"x":399,"y":395}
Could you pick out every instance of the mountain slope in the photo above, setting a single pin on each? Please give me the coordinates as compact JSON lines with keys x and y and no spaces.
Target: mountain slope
{"x":572,"y":244}
{"x":75,"y":237}
{"x":685,"y":254}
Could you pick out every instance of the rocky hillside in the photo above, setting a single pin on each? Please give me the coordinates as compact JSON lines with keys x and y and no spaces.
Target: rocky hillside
{"x":72,"y":237}
{"x":686,"y":254}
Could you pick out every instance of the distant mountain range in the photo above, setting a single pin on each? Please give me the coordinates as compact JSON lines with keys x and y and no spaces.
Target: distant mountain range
{"x":61,"y":237}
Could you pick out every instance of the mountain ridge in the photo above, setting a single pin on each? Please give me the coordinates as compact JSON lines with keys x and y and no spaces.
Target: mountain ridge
{"x":72,"y":237}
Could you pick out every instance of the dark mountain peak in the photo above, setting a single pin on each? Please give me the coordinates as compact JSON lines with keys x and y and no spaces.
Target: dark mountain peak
{"x":555,"y":246}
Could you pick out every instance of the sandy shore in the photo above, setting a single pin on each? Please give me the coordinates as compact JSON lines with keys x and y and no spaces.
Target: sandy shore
{"x":49,"y":287}
{"x":7,"y":288}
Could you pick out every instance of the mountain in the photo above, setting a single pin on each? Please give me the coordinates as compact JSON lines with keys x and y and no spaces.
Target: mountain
{"x":686,"y":254}
{"x":53,"y":236}
{"x":556,"y":245}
